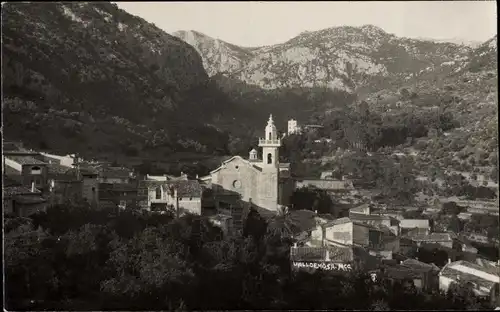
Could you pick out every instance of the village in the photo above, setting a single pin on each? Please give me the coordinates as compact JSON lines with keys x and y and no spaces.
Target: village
{"x":381,"y":238}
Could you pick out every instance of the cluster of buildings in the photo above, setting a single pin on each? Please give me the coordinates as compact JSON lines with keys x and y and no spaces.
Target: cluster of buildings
{"x":381,"y":240}
{"x":386,"y":244}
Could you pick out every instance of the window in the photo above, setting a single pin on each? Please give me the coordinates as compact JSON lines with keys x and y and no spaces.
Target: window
{"x":37,"y":181}
{"x":190,"y":198}
{"x":269,"y":158}
{"x":180,"y":198}
{"x":158,"y":193}
{"x":36,"y":170}
{"x":269,"y":135}
{"x":93,"y":189}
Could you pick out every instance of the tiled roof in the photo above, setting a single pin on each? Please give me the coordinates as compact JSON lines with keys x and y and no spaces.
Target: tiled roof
{"x":451,"y":270}
{"x":118,"y":187}
{"x":414,"y":223}
{"x":433,"y":237}
{"x":56,"y":169}
{"x":17,"y":190}
{"x":343,"y":254}
{"x":359,"y":209}
{"x":186,"y":188}
{"x":326,"y":216}
{"x":337,"y":221}
{"x":29,"y":199}
{"x":9,"y":171}
{"x":363,"y":217}
{"x":87,"y":170}
{"x":401,"y":272}
{"x":115,"y":173}
{"x":26,"y":160}
{"x":150,"y":183}
{"x":418,"y":265}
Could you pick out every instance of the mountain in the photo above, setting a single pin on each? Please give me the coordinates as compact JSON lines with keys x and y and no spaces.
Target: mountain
{"x":91,"y":78}
{"x":346,"y":58}
{"x":218,"y":56}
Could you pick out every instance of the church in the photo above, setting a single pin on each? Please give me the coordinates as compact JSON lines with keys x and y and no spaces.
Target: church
{"x":260,"y":182}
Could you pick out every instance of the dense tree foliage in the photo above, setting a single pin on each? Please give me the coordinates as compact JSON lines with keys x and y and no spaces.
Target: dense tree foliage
{"x":74,"y":258}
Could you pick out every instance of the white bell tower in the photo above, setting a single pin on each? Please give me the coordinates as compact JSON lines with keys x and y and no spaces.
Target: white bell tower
{"x":270,"y":145}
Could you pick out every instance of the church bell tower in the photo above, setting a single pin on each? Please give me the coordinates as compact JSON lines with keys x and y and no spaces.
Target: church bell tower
{"x":270,"y":145}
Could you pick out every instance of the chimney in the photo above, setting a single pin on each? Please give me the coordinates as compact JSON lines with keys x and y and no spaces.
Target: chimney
{"x":327,"y":255}
{"x":33,"y":186}
{"x":176,"y":203}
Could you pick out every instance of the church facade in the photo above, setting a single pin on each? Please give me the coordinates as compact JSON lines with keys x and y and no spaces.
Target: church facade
{"x":263,"y":181}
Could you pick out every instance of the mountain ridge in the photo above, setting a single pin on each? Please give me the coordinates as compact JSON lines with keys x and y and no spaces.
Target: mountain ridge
{"x":345,"y":57}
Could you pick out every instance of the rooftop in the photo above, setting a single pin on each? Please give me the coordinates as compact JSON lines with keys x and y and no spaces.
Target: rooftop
{"x":115,"y":173}
{"x":414,"y":223}
{"x":432,"y":237}
{"x":470,"y":272}
{"x":364,"y":217}
{"x":29,"y":199}
{"x":18,"y":190}
{"x":336,"y":222}
{"x":342,"y":254}
{"x":419,"y":265}
{"x":186,"y":188}
{"x":26,"y":160}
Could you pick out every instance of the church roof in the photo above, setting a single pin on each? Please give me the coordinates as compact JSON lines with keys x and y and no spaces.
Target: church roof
{"x":233,"y":158}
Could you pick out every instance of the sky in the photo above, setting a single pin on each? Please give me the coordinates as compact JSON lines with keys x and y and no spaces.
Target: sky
{"x":259,"y":23}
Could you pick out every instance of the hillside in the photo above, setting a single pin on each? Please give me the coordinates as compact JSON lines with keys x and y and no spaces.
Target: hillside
{"x":352,"y":59}
{"x":91,"y":78}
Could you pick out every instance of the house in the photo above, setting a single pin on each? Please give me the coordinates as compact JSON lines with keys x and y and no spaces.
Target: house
{"x":344,"y":231}
{"x":177,"y":195}
{"x":293,"y":127}
{"x":117,"y":195}
{"x":374,"y":219}
{"x":266,"y":182}
{"x":29,"y":169}
{"x":424,"y":276}
{"x":417,"y":226}
{"x":185,"y":195}
{"x":166,"y":177}
{"x":484,"y":280}
{"x":90,"y":185}
{"x":115,"y":175}
{"x":65,"y":161}
{"x":444,"y":239}
{"x":63,"y":190}
{"x":22,"y":202}
{"x":364,"y":209}
{"x":60,"y":172}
